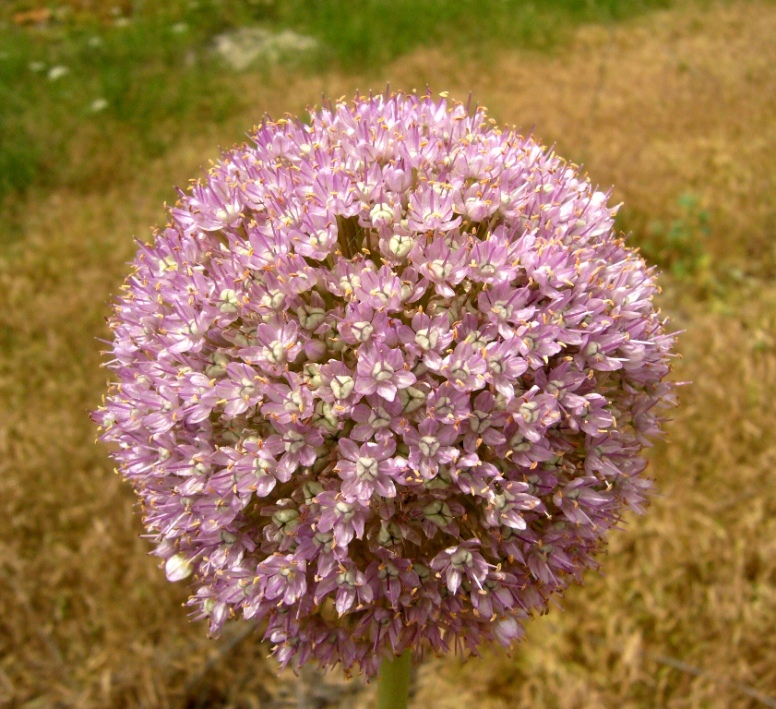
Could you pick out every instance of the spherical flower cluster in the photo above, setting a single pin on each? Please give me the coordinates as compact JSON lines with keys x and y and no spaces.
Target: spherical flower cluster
{"x":383,"y":381}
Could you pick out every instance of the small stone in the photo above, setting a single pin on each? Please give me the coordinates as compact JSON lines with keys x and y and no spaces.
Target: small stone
{"x":253,"y":45}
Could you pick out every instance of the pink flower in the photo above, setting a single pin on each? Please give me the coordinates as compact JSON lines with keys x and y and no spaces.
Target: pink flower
{"x":368,"y":469}
{"x":381,"y":370}
{"x":384,"y":380}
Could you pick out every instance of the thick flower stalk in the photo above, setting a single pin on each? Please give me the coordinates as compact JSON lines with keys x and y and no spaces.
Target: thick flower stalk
{"x":383,"y":381}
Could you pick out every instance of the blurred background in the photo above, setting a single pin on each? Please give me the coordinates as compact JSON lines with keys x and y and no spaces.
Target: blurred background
{"x":106,"y":106}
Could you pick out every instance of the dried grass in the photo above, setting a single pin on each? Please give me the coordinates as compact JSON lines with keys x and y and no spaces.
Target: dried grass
{"x":680,"y":100}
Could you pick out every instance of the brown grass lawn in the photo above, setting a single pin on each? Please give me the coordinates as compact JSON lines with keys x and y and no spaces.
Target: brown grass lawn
{"x":683,"y":614}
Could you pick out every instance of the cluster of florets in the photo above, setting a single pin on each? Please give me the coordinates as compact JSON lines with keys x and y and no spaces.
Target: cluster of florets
{"x":383,"y":381}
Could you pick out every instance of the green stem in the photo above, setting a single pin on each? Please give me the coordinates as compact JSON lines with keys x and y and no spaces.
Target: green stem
{"x":393,"y":687}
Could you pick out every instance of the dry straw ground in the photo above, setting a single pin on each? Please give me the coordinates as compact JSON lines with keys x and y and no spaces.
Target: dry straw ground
{"x":684,"y":612}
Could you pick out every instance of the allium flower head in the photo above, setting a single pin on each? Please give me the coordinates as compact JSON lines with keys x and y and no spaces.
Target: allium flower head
{"x":383,"y":381}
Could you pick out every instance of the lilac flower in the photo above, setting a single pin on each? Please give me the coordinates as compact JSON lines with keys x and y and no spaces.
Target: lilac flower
{"x":489,"y":260}
{"x":485,"y":423}
{"x":383,"y":382}
{"x":464,"y":368}
{"x":241,"y":390}
{"x":367,"y":469}
{"x":448,"y":404}
{"x":212,"y":207}
{"x":504,"y":506}
{"x":252,"y":469}
{"x":376,"y":419}
{"x":430,"y":447}
{"x":282,"y":578}
{"x":290,"y":404}
{"x":460,"y":562}
{"x":381,"y":370}
{"x":506,"y":307}
{"x":426,"y":333}
{"x":431,"y":208}
{"x":349,"y":586}
{"x":278,"y":345}
{"x":186,"y":330}
{"x":381,"y":290}
{"x":338,"y":385}
{"x":398,"y":578}
{"x":363,"y":324}
{"x":476,"y":203}
{"x":296,"y":444}
{"x":504,"y":367}
{"x":199,"y":395}
{"x":345,"y":519}
{"x":443,"y":266}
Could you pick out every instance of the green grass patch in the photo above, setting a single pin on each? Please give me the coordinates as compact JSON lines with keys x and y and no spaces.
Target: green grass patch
{"x":87,"y":96}
{"x":81,"y":99}
{"x":365,"y":33}
{"x":680,"y":245}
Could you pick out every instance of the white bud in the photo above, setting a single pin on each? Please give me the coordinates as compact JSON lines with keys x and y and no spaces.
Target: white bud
{"x":275,"y":353}
{"x":227,"y":301}
{"x":177,"y":568}
{"x":362,"y":331}
{"x":400,"y":245}
{"x":273,"y":299}
{"x":218,"y":368}
{"x":342,"y":385}
{"x":310,"y":316}
{"x":426,"y":338}
{"x":411,"y":399}
{"x":325,"y":417}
